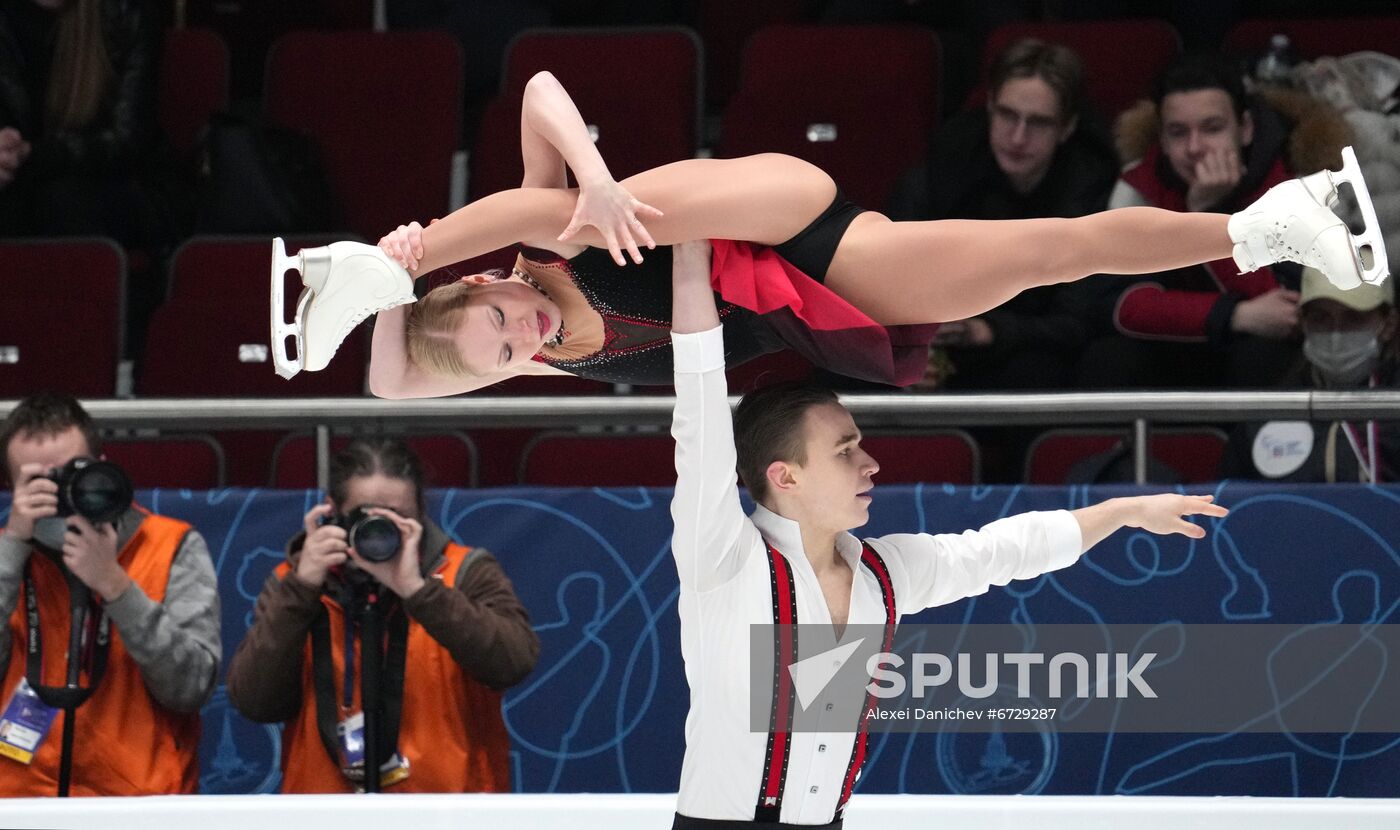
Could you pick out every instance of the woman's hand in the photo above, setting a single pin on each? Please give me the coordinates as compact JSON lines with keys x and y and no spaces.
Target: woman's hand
{"x":607,"y":206}
{"x":405,"y":244}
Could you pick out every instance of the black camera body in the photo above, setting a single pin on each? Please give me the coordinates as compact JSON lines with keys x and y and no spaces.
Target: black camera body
{"x":99,"y":491}
{"x":376,"y":538}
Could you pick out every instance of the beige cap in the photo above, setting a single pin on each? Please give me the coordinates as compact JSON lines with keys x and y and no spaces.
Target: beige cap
{"x":1363,"y":297}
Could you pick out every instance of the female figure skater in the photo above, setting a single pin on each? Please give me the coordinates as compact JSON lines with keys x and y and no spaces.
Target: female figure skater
{"x":794,"y":264}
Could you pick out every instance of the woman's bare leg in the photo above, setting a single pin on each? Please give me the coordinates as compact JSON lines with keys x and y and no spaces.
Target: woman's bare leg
{"x":767,"y":198}
{"x":929,"y":272}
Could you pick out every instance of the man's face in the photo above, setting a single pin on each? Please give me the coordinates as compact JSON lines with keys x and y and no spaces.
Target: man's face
{"x":1027,"y":127}
{"x":397,"y":494}
{"x":50,"y":450}
{"x":1198,"y":123}
{"x":835,"y":480}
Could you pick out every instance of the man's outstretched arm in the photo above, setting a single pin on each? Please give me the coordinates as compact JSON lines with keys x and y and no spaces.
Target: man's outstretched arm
{"x":712,"y":533}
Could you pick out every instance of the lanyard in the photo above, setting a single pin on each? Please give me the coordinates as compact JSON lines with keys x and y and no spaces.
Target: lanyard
{"x":323,"y":674}
{"x":89,"y":651}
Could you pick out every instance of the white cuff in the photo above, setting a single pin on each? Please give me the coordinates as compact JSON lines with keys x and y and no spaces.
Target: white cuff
{"x":700,"y":352}
{"x":1063,"y":537}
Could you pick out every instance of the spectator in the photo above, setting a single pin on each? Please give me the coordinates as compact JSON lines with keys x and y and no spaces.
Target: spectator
{"x":457,"y":636}
{"x":1203,"y":145}
{"x":1350,"y":342}
{"x":77,"y":119}
{"x":1031,"y":152}
{"x":145,"y":581}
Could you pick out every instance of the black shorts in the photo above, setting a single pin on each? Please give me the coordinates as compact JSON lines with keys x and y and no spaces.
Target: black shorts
{"x":813,"y":248}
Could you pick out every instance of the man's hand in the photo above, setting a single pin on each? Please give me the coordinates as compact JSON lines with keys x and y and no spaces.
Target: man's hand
{"x":35,"y":497}
{"x":323,"y":549}
{"x":1162,"y":513}
{"x":1216,"y":175}
{"x":90,"y":553}
{"x":1273,"y":314}
{"x":616,"y":213}
{"x":402,"y":574}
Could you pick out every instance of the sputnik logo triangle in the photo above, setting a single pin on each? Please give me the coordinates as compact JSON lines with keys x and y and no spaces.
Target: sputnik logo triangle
{"x":811,"y":675}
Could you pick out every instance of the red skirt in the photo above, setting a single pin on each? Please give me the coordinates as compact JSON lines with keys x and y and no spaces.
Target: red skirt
{"x":814,"y":321}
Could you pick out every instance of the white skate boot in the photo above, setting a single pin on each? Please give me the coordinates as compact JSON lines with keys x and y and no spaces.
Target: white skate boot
{"x":345,"y":283}
{"x":1294,"y":222}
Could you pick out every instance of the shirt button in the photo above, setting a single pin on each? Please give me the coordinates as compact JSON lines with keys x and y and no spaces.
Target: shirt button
{"x":828,"y":706}
{"x":821,"y":747}
{"x":814,"y":789}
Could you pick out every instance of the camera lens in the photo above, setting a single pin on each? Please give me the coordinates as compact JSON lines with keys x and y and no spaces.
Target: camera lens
{"x":99,"y":491}
{"x":376,"y":538}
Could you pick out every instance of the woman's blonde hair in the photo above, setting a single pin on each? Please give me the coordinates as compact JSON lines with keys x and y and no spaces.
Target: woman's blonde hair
{"x":432,"y":326}
{"x":82,"y":69}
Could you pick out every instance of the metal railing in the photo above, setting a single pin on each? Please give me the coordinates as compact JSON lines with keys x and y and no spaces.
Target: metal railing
{"x":1136,"y":409}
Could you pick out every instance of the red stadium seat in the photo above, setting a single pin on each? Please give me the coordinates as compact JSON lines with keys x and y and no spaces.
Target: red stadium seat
{"x":639,"y":88}
{"x":1122,"y":58}
{"x":1320,"y":37}
{"x":385,"y":111}
{"x":210,"y":339}
{"x":725,"y":28}
{"x":857,"y":101}
{"x":946,"y":456}
{"x":195,"y":462}
{"x":194,"y":84}
{"x":449,"y":459}
{"x":62,"y":316}
{"x":248,"y":26}
{"x":1192,"y":452}
{"x":570,"y":459}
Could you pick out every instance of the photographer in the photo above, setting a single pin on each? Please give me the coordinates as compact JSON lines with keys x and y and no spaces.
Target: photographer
{"x":454,"y":635}
{"x":148,"y":653}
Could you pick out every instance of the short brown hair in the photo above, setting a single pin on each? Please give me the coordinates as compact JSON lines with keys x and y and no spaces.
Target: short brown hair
{"x":768,"y":427}
{"x":1058,"y":66}
{"x":48,"y":413}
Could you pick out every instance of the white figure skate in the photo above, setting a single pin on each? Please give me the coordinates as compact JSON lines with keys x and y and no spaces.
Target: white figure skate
{"x":1294,"y":222}
{"x":345,"y":283}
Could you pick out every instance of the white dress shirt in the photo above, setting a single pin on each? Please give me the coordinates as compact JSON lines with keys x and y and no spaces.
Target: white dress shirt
{"x":725,"y":588}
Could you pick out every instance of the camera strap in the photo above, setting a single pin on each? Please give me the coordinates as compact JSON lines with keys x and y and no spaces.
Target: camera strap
{"x":93,"y":644}
{"x":323,"y":677}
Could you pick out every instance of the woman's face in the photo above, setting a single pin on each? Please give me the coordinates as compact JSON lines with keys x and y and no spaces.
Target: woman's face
{"x":503,"y":325}
{"x":379,"y":490}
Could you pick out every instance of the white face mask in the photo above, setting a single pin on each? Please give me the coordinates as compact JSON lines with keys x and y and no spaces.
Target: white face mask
{"x":1344,"y":358}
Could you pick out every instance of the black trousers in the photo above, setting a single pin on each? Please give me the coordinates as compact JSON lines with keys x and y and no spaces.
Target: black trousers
{"x":688,"y":823}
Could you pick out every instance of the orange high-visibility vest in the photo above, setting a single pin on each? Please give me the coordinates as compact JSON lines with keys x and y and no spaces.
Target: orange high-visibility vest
{"x":126,"y":743}
{"x":451,"y":732}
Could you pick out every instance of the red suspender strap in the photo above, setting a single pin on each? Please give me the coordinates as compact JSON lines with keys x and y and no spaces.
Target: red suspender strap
{"x":770,"y":790}
{"x":871,"y":560}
